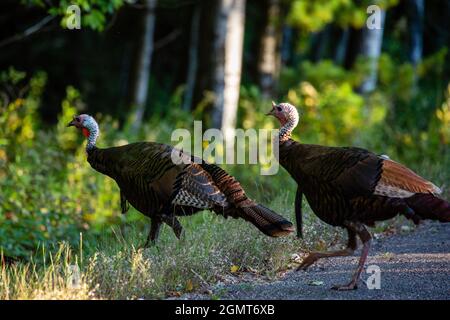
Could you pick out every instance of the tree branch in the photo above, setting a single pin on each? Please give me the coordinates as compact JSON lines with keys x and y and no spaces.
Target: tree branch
{"x":167,"y":39}
{"x":33,"y":29}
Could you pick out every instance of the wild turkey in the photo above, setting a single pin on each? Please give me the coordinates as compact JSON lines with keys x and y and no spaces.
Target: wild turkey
{"x":351,"y":188}
{"x":162,"y":186}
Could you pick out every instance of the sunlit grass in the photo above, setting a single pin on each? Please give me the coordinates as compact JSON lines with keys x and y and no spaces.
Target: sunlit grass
{"x":51,"y":279}
{"x":118,"y":268}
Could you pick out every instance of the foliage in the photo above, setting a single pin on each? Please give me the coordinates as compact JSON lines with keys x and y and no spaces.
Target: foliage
{"x":400,"y":118}
{"x":93,"y":12}
{"x":311,"y":16}
{"x":324,"y":91}
{"x":117,"y":269}
{"x":34,"y":209}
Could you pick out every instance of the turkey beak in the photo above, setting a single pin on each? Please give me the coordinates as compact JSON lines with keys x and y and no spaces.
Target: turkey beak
{"x":272,"y":112}
{"x":71,"y":123}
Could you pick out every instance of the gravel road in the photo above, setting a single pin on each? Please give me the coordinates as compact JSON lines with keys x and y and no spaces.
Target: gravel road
{"x":415,"y":265}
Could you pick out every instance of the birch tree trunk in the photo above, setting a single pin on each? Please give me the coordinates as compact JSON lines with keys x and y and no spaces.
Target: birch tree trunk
{"x":372,"y":39}
{"x":227,"y":51}
{"x":143,"y":63}
{"x":268,"y":63}
{"x":193,"y":58}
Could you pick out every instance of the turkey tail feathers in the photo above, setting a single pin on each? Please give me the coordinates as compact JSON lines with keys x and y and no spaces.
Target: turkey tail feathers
{"x":428,"y":206}
{"x":239,"y":205}
{"x":266,"y":220}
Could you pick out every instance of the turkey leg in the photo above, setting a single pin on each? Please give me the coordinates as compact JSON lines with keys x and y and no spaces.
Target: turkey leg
{"x":124,"y":205}
{"x":365,"y":237}
{"x":298,"y":213}
{"x":173,"y":222}
{"x":348,"y":251}
{"x":155,"y":226}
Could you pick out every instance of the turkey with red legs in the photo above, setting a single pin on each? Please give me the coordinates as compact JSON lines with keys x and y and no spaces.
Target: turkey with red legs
{"x":352,"y":188}
{"x":162,"y":183}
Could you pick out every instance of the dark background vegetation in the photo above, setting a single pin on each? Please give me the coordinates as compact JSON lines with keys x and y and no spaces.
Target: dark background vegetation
{"x":394,"y":102}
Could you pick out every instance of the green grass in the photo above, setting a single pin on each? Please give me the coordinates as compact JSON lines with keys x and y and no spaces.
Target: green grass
{"x":118,"y":268}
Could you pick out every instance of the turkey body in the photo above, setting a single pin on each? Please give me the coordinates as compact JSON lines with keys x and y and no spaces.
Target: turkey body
{"x":143,"y":171}
{"x":162,"y":189}
{"x":355,"y":185}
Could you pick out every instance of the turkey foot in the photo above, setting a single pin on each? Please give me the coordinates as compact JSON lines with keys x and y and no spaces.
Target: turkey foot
{"x":308,"y":261}
{"x":314,"y":256}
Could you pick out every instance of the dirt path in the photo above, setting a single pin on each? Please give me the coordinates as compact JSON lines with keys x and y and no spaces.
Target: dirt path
{"x":413,"y":266}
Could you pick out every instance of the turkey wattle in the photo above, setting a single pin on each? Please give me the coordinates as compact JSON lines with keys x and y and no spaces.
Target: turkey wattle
{"x":152,"y":183}
{"x":352,"y":187}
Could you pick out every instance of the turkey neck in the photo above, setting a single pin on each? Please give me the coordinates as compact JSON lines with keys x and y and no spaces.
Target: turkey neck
{"x":92,"y":138}
{"x":95,"y":155}
{"x":284,"y":137}
{"x":287,"y":127}
{"x":286,"y":131}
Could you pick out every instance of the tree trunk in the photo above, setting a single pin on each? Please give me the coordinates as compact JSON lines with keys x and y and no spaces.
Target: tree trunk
{"x":206,"y":58}
{"x":227,"y":51}
{"x":415,"y":10}
{"x":341,"y":46}
{"x":286,"y":45}
{"x":193,"y":58}
{"x":319,"y":42}
{"x":372,"y":39}
{"x":143,"y":63}
{"x":353,"y":47}
{"x":268,"y":54}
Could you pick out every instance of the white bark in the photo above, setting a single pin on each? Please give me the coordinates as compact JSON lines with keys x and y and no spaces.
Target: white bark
{"x":372,"y":39}
{"x":228,"y":47}
{"x":139,"y":97}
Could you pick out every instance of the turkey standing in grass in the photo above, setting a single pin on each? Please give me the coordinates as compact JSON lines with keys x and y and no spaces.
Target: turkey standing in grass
{"x":154,"y":180}
{"x":351,"y":188}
